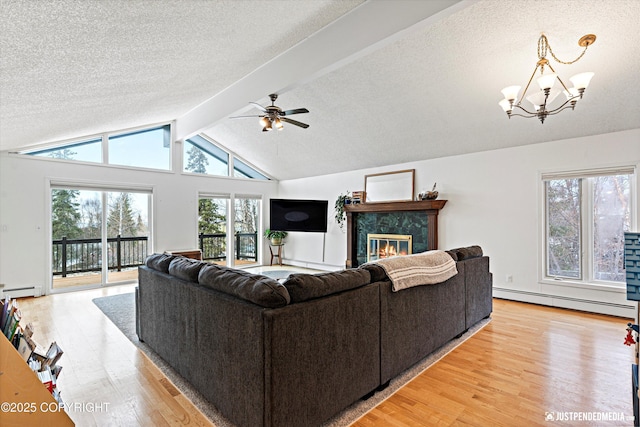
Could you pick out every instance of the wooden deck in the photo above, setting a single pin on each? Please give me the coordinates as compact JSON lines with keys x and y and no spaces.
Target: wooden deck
{"x":94,"y":278}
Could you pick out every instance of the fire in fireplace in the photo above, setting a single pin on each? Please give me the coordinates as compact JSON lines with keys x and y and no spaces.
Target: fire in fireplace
{"x":388,"y":245}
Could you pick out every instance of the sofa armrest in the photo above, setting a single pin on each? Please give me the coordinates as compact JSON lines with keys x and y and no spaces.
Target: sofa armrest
{"x":479,"y":289}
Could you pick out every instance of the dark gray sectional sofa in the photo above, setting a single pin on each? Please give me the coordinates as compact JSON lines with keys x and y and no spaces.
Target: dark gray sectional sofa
{"x":296,"y":353}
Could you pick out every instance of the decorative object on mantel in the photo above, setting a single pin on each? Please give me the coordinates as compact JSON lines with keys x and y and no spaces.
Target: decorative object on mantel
{"x":358,"y":197}
{"x":275,"y":236}
{"x":340,"y":215}
{"x":548,"y":93}
{"x":397,"y":186}
{"x":429,"y":195}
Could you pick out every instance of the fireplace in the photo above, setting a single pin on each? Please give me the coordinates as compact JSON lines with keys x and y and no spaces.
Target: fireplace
{"x":388,"y":245}
{"x":418,"y":219}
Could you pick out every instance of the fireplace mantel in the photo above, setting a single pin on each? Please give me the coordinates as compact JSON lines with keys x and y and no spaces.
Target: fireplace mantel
{"x":431,"y":208}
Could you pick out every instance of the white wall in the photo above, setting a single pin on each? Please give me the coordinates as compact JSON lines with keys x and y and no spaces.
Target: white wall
{"x":25,"y":220}
{"x":494,"y":200}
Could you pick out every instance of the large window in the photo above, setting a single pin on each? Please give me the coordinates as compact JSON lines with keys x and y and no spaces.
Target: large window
{"x":201,"y":156}
{"x":587,"y":214}
{"x":148,"y":148}
{"x":83,"y":151}
{"x":142,"y":148}
{"x":204,"y":157}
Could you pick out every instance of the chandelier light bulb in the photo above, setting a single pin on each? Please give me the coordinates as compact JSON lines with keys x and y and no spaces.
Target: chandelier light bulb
{"x":537,"y":99}
{"x":511,"y":93}
{"x":278,"y":124}
{"x":506,"y":105}
{"x":546,"y":81}
{"x":264,"y":122}
{"x":582,"y":80}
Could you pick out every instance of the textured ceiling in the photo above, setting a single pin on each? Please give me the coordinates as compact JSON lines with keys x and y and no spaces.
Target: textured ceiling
{"x":76,"y":68}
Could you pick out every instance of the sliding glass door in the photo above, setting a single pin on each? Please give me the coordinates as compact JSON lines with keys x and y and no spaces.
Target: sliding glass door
{"x":99,"y":237}
{"x":212,"y":228}
{"x":246,"y":220}
{"x":76,"y":228}
{"x":127,"y":234}
{"x":217,"y":214}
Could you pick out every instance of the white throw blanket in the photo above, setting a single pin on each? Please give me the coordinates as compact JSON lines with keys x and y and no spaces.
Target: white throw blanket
{"x":426,"y":268}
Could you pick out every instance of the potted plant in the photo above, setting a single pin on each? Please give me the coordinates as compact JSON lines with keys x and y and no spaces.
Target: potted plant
{"x":275,"y":236}
{"x":340,"y":215}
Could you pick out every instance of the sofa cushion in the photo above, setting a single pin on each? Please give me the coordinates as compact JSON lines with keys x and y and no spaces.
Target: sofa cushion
{"x":468,"y":252}
{"x":258,"y":289}
{"x":159,"y":262}
{"x":185,"y":268}
{"x":303,"y":287}
{"x":378,"y":274}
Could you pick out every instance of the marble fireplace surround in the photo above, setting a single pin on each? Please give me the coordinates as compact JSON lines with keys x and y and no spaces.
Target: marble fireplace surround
{"x":417,"y":218}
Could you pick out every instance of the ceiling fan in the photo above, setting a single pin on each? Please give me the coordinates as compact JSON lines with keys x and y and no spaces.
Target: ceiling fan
{"x":273,"y":116}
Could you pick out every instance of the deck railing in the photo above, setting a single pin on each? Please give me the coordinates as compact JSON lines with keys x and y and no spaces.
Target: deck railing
{"x":84,"y":255}
{"x":214,"y":246}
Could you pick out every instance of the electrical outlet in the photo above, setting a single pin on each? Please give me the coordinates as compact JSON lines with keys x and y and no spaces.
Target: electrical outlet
{"x":509,"y":278}
{"x":1,"y":285}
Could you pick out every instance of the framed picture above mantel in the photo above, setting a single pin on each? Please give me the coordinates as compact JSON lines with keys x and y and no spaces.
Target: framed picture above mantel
{"x":390,"y":186}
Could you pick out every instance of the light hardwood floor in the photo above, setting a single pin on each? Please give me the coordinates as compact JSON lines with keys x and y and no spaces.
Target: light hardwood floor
{"x":529,"y":362}
{"x":110,"y":381}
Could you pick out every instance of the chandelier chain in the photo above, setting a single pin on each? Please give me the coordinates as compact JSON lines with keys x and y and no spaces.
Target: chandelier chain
{"x":543,"y":45}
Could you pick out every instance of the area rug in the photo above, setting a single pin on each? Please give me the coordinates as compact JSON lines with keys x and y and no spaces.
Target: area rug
{"x":279,"y":275}
{"x":120,"y":309}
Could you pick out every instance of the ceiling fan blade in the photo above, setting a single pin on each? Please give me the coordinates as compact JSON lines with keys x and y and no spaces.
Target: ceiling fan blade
{"x":259,"y":107}
{"x":296,"y":111}
{"x":295,"y":122}
{"x":243,"y":117}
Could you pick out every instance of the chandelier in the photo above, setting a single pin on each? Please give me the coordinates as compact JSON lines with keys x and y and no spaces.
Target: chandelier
{"x":549,"y":91}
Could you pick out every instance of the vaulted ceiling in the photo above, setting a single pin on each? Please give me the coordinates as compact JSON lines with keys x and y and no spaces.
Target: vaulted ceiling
{"x":385,"y":82}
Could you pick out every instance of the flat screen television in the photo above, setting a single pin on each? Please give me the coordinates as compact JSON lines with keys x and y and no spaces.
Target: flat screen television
{"x":298,"y":215}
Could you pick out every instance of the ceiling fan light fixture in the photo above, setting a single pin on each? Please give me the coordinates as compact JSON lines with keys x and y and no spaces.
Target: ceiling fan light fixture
{"x":541,"y":99}
{"x":274,"y":117}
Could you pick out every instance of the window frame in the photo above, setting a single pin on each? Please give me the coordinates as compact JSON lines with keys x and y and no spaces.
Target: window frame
{"x":248,"y":170}
{"x":104,"y":141}
{"x":587,"y":278}
{"x":167,"y":136}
